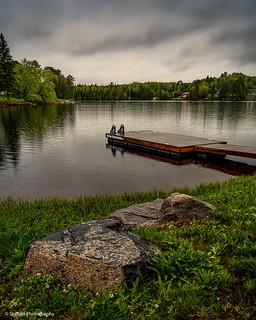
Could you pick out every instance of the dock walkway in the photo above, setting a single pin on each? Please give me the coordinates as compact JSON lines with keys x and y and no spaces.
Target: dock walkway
{"x":176,"y":145}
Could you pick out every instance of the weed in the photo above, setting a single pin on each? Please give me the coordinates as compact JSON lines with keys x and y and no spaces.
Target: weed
{"x":205,"y":269}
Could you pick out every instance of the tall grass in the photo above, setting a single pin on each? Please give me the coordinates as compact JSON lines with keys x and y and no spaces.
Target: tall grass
{"x":205,"y":269}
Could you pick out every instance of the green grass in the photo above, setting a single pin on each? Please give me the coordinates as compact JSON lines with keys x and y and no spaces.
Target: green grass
{"x":12,"y":101}
{"x":15,"y":101}
{"x":206,"y":269}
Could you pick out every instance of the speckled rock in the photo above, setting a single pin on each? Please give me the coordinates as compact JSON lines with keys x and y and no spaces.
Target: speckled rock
{"x":176,"y":207}
{"x":139,"y":214}
{"x":180,"y":207}
{"x":97,"y":255}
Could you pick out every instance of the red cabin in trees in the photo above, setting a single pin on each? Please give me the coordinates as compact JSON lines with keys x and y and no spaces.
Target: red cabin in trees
{"x":184,"y":95}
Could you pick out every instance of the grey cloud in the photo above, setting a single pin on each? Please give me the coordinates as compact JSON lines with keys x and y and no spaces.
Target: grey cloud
{"x":191,"y":31}
{"x":245,"y":33}
{"x":180,"y":18}
{"x":240,"y":41}
{"x":151,"y":37}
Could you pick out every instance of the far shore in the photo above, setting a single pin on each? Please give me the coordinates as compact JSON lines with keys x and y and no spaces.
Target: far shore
{"x":17,"y":102}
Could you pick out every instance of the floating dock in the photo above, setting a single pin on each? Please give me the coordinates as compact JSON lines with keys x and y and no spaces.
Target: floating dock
{"x":176,"y":145}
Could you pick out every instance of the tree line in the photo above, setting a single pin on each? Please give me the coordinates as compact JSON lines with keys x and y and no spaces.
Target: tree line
{"x":235,"y":86}
{"x":27,"y":80}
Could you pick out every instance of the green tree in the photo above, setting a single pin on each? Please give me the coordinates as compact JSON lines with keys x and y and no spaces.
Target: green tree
{"x":213,"y":85}
{"x":6,"y":67}
{"x":33,"y":83}
{"x":70,"y":87}
{"x":56,"y":72}
{"x":203,"y":90}
{"x":224,"y":88}
{"x":47,"y":89}
{"x":64,"y":86}
{"x":194,"y":90}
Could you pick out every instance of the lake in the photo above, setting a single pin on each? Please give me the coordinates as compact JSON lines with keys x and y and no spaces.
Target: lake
{"x":60,"y":150}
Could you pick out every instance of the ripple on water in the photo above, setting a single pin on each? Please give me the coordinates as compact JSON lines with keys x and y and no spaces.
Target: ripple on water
{"x":61,"y":150}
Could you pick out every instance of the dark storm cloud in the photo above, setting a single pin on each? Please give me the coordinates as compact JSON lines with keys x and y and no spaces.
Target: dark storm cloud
{"x":123,"y":40}
{"x":154,"y":38}
{"x":241,"y":37}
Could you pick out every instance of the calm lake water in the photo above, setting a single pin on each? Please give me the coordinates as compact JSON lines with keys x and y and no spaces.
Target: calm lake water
{"x":60,"y":150}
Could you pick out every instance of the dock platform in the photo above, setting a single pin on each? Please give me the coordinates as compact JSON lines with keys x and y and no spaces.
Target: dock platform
{"x":176,"y":145}
{"x":229,"y":149}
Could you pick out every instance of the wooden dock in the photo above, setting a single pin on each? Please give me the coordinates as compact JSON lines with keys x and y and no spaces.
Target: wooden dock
{"x":176,"y":145}
{"x":229,"y":149}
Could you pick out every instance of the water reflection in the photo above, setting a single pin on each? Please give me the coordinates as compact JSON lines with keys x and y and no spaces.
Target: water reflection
{"x":10,"y":137}
{"x":60,"y":150}
{"x":31,"y":124}
{"x":230,"y":167}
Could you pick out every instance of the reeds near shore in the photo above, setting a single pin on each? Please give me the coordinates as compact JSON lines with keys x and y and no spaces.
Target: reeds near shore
{"x":206,"y":269}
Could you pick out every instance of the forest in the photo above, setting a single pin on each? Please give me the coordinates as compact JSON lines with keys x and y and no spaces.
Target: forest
{"x":235,"y":86}
{"x":28,"y":81}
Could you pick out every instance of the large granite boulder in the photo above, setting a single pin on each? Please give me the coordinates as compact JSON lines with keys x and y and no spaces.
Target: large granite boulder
{"x":96,"y":254}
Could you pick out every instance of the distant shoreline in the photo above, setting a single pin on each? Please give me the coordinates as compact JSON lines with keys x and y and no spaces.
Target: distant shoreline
{"x":28,"y":103}
{"x":9,"y":103}
{"x":13,"y":103}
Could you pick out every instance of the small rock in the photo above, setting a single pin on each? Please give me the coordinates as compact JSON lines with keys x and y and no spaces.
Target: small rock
{"x":179,"y":207}
{"x":176,"y":207}
{"x":139,"y":214}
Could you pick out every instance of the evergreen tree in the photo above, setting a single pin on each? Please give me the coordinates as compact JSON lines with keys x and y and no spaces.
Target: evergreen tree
{"x":6,"y":67}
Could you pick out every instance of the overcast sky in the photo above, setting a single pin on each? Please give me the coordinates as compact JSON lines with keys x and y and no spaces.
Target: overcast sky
{"x":121,"y":41}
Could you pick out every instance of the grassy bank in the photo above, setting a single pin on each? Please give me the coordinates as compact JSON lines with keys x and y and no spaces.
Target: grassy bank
{"x":22,"y":102}
{"x":14,"y":102}
{"x":206,"y":269}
